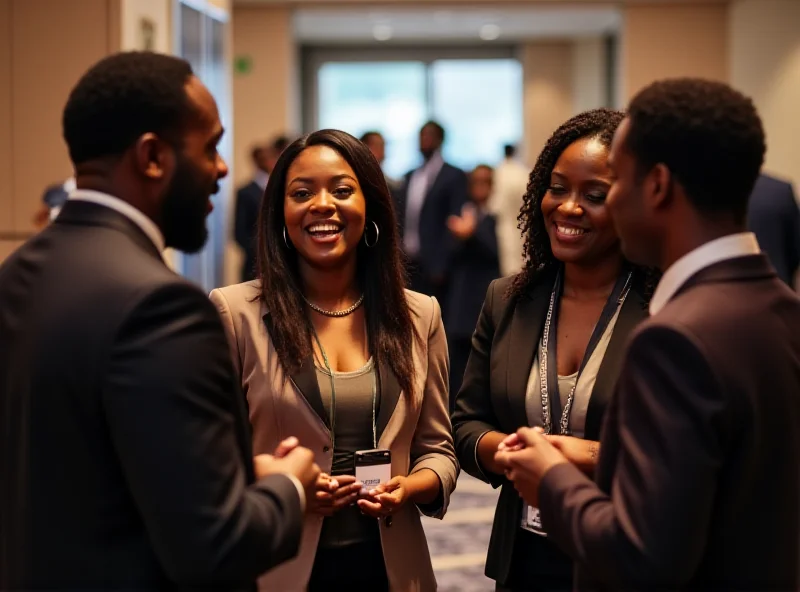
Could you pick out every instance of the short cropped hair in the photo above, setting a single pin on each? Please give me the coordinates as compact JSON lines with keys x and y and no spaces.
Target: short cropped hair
{"x":436,"y":126}
{"x":510,"y":150}
{"x":122,"y":97}
{"x":709,"y":136}
{"x":367,"y":136}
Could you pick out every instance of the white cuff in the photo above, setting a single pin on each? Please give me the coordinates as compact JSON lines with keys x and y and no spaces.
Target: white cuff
{"x":301,"y":492}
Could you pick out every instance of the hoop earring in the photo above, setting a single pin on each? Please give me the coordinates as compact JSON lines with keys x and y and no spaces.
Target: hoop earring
{"x":285,"y":241}
{"x":377,"y":235}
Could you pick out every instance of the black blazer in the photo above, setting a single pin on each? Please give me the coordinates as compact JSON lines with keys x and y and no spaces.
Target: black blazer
{"x":445,"y":197}
{"x":698,"y":481}
{"x":492,"y":397}
{"x":248,"y":202}
{"x":125,"y":455}
{"x":774,"y":217}
{"x":474,"y":264}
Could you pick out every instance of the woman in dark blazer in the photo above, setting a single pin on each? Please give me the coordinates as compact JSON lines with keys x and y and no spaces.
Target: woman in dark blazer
{"x":549,"y":341}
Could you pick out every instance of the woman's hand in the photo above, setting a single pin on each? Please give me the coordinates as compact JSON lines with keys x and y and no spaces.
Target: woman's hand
{"x":581,"y":453}
{"x":333,"y":494}
{"x":385,"y":499}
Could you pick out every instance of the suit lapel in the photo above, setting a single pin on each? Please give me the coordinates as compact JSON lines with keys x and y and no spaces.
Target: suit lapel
{"x":633,"y":311}
{"x":305,"y":380}
{"x":527,"y":323}
{"x":389,"y":393}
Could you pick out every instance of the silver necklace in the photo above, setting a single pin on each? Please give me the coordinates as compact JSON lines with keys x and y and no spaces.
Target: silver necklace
{"x":336,"y":313}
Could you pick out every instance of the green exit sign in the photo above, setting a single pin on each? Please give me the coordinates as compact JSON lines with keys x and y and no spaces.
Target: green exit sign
{"x":243,"y":64}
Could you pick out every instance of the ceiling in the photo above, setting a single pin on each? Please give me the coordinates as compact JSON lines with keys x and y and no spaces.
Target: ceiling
{"x":358,"y":25}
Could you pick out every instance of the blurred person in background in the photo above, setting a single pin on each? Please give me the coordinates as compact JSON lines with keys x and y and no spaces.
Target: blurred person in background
{"x":54,"y":198}
{"x":330,"y":347}
{"x":430,"y":195}
{"x":510,"y":184}
{"x":774,"y":217}
{"x":248,"y":201}
{"x":126,"y":455}
{"x":377,"y":145}
{"x":549,"y":342}
{"x":474,"y":264}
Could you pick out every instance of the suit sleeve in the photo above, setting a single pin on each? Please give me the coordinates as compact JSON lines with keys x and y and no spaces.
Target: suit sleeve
{"x":169,"y":403}
{"x":473,"y":415}
{"x":651,"y":530}
{"x":792,"y":222}
{"x":484,"y":241}
{"x":432,"y":444}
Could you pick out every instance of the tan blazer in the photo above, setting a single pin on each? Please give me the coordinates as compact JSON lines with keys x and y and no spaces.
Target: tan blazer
{"x":417,"y":431}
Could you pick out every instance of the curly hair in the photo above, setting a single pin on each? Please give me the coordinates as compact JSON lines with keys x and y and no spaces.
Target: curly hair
{"x":707,"y":134}
{"x":122,"y":97}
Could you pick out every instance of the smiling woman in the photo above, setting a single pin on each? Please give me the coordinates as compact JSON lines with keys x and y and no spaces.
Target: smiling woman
{"x":332,"y":349}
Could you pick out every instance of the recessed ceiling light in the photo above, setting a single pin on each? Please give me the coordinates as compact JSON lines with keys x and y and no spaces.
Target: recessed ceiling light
{"x":489,"y":32}
{"x":382,"y":32}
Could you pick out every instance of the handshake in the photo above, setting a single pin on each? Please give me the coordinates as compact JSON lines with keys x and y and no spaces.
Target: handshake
{"x":292,"y":459}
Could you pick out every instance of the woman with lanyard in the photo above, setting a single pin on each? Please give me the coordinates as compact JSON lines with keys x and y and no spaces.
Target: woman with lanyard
{"x":549,"y":341}
{"x":333,"y":350}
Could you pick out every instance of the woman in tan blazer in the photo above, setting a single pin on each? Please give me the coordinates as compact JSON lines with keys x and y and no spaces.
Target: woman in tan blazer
{"x":331,"y":349}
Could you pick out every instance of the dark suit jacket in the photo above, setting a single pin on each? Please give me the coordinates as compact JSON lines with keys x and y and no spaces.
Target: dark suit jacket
{"x":125,"y":455}
{"x":474,"y":264}
{"x":698,"y":482}
{"x":774,"y":217}
{"x":248,"y":202}
{"x":492,"y":397}
{"x":445,"y":197}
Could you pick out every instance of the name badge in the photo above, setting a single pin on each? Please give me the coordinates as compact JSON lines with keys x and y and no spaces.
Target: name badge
{"x":532,"y":520}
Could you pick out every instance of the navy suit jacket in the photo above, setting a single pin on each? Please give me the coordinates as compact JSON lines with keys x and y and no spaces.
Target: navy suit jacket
{"x":248,"y":201}
{"x":774,"y":217}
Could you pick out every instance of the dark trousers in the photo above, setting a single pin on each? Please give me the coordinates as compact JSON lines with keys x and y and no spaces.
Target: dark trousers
{"x":355,"y":567}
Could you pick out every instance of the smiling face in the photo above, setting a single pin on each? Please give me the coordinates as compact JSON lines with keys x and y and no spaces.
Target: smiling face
{"x":573,"y":207}
{"x":324,"y":208}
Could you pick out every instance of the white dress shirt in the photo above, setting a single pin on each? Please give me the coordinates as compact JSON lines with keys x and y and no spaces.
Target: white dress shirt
{"x":149,"y":227}
{"x":721,"y":249}
{"x":418,"y":186}
{"x":260,"y":178}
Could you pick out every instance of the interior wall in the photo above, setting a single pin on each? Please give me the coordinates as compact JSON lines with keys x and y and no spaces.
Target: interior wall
{"x":42,"y":54}
{"x":589,"y":74}
{"x":548,"y":98}
{"x":669,"y":40}
{"x":156,"y":13}
{"x":765,"y":65}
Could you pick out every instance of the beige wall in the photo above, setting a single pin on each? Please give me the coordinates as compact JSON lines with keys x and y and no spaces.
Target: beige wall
{"x":765,"y":64}
{"x":660,"y":41}
{"x":547,"y":92}
{"x":158,"y":12}
{"x":589,"y":72}
{"x":262,"y":97}
{"x":42,"y":53}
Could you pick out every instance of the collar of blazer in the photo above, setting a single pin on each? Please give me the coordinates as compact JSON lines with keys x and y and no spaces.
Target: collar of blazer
{"x":525,"y":332}
{"x":84,"y":213}
{"x":745,"y":268}
{"x":305,"y":381}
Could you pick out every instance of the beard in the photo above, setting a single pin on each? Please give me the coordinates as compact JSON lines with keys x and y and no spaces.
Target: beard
{"x":185,"y":209}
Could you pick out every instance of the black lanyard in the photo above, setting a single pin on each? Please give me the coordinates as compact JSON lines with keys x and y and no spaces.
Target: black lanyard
{"x":548,"y":367}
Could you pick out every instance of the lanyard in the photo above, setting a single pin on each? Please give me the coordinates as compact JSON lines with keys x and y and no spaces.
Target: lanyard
{"x":548,"y":373}
{"x":333,"y":397}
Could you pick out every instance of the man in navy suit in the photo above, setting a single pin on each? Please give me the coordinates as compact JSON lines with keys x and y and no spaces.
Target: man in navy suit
{"x":774,"y":217}
{"x":430,"y":195}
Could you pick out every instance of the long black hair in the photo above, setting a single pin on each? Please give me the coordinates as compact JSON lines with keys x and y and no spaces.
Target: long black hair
{"x":380,"y":270}
{"x":600,"y":124}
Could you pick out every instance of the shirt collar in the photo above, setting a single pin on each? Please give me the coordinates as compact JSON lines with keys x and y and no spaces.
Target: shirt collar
{"x":147,"y":226}
{"x":721,"y":249}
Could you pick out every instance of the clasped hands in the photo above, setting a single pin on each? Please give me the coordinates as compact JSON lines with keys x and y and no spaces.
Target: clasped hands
{"x":335,"y":493}
{"x":529,"y":454}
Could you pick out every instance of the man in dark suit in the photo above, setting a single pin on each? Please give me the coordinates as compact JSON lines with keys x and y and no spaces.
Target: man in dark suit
{"x":248,"y":200}
{"x":698,"y":480}
{"x":125,"y":456}
{"x":774,"y":217}
{"x":430,"y":194}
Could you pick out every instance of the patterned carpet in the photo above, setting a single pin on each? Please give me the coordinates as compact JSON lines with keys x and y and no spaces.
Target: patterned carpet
{"x":458,"y":543}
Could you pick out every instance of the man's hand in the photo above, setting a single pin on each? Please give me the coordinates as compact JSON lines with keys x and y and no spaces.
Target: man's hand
{"x":526,"y":457}
{"x":298,"y":462}
{"x":463,"y":227}
{"x":334,"y":493}
{"x":385,"y":499}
